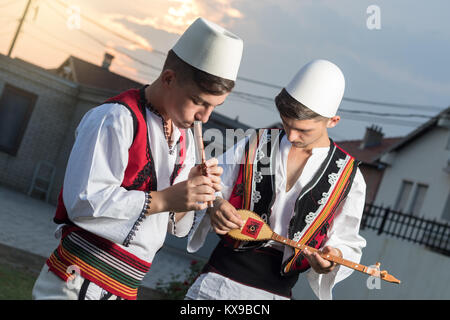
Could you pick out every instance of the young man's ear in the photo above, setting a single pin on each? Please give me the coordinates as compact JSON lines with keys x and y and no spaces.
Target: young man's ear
{"x":333,"y":121}
{"x":168,"y":77}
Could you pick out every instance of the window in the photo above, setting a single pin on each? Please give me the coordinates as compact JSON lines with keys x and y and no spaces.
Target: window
{"x":418,"y":199}
{"x":446,"y":213}
{"x":16,"y":106}
{"x":447,"y":147}
{"x":403,"y":196}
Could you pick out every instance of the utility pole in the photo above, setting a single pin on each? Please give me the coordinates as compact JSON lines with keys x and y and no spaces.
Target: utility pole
{"x":18,"y":28}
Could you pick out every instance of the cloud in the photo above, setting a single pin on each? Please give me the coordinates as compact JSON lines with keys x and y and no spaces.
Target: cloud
{"x":123,"y":63}
{"x":175,"y":16}
{"x":113,"y":22}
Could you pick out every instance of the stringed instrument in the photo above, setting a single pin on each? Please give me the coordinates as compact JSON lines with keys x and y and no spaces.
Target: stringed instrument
{"x":255,"y":229}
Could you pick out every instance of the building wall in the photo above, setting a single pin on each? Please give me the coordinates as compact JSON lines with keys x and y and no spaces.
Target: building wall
{"x":87,"y":99}
{"x":423,"y":273}
{"x":47,"y":125}
{"x":50,"y":133}
{"x":372,"y":177}
{"x":421,"y":161}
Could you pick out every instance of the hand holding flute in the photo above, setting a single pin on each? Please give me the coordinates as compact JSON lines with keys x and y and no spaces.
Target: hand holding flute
{"x":195,"y":193}
{"x":208,"y":168}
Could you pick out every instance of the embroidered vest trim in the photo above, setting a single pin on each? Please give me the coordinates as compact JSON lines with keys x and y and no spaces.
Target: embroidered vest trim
{"x":313,"y":217}
{"x":100,"y":260}
{"x":315,"y":207}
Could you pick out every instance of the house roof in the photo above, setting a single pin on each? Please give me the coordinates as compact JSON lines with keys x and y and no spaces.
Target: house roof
{"x":368,"y":155}
{"x":89,"y":74}
{"x":420,"y":131}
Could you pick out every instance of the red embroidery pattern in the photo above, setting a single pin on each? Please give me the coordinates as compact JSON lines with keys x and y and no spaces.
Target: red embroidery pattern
{"x":252,"y":228}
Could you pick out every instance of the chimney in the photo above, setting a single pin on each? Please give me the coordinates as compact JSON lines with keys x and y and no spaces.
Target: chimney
{"x":107,"y":59}
{"x":372,"y":138}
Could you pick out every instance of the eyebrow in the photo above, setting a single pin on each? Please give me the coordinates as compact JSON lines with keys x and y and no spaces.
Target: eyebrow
{"x":298,"y":129}
{"x":303,"y":130}
{"x":203,"y":101}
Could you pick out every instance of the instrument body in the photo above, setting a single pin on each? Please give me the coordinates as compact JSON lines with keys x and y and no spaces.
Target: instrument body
{"x":255,"y":229}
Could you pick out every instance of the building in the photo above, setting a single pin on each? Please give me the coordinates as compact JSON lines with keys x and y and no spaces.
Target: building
{"x":39,"y":112}
{"x":417,"y":175}
{"x":36,"y":112}
{"x":368,"y":150}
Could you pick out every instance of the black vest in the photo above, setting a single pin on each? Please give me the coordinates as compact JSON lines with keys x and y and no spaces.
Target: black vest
{"x":314,"y":211}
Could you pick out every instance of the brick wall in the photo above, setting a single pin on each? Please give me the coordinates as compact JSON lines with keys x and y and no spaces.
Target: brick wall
{"x":48,"y":123}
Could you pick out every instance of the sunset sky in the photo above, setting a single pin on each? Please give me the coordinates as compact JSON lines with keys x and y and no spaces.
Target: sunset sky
{"x":405,"y":61}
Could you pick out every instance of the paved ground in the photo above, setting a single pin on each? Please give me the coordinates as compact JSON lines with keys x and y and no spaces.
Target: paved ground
{"x":27,"y":238}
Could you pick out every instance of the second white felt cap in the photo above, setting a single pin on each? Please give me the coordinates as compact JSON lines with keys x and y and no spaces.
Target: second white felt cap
{"x":210,"y":48}
{"x":319,"y":86}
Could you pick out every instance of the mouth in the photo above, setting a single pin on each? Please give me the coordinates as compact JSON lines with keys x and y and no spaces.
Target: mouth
{"x":186,"y":125}
{"x":297,"y":144}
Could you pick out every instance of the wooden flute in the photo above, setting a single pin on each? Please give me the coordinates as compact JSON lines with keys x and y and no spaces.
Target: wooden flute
{"x":200,"y":150}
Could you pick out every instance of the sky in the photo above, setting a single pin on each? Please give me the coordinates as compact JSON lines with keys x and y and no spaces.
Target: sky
{"x":390,"y":51}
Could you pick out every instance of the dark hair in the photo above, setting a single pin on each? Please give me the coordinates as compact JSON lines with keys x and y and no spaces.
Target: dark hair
{"x":206,"y":82}
{"x":290,"y":108}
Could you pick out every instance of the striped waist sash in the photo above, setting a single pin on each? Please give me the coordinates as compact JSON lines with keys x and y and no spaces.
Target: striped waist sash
{"x":100,"y":261}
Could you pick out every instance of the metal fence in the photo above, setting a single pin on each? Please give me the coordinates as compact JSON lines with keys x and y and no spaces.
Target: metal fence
{"x":430,"y":233}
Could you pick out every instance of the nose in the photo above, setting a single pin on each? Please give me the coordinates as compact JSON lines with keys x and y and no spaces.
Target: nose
{"x":204,"y":115}
{"x":294,"y":136}
{"x":291,"y":135}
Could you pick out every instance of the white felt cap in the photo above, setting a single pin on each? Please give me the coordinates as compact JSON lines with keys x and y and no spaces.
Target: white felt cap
{"x":319,"y":85}
{"x":210,"y":48}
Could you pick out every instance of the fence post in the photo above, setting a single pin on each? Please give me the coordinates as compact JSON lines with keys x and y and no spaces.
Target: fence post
{"x":364,"y":216}
{"x":383,"y":221}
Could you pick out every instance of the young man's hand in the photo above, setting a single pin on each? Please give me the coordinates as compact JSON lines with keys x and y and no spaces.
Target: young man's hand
{"x":224,"y":217}
{"x":192,"y":194}
{"x":319,"y":264}
{"x":213,"y":171}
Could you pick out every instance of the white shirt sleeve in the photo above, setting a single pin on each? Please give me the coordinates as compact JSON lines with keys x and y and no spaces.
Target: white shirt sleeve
{"x":182,"y":227}
{"x":92,"y":191}
{"x":230,"y":162}
{"x":344,"y":235}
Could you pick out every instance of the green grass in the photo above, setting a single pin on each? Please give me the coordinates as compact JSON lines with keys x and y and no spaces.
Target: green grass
{"x":15,"y":283}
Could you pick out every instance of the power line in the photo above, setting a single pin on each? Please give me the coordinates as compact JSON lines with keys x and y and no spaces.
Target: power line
{"x":386,"y":121}
{"x":387,"y":114}
{"x":6,"y":26}
{"x":47,"y":33}
{"x":268,"y":103}
{"x":7,"y":4}
{"x":358,"y":115}
{"x":16,"y":35}
{"x":99,"y":25}
{"x":47,"y":43}
{"x":262,"y":83}
{"x":396,"y":105}
{"x":104,"y":44}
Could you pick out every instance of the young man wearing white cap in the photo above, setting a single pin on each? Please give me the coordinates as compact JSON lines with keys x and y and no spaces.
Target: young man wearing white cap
{"x":131,"y":175}
{"x":302,"y":184}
